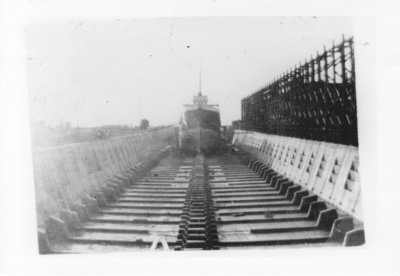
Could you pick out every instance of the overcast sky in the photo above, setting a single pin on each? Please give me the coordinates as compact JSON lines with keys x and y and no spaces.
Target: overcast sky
{"x":98,"y":72}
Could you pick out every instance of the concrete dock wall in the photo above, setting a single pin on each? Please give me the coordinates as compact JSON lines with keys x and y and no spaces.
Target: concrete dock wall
{"x":326,"y":169}
{"x":64,"y":174}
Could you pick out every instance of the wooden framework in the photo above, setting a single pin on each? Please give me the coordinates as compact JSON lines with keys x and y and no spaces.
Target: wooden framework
{"x":315,"y":100}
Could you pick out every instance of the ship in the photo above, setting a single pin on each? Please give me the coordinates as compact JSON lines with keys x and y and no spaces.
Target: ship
{"x":200,"y":127}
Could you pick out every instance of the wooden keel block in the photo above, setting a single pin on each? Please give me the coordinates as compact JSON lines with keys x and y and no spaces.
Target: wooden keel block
{"x":71,"y":219}
{"x":326,"y":219}
{"x":118,"y":187}
{"x":130,"y":176}
{"x":306,"y":201}
{"x":56,"y":229}
{"x":257,"y":165}
{"x":266,"y":173}
{"x":91,"y":204}
{"x":124,"y":179}
{"x":43,"y":242}
{"x":262,"y":170}
{"x":354,"y":237}
{"x":315,"y":209}
{"x":284,"y":185}
{"x":100,"y":198}
{"x":81,"y":210}
{"x":291,"y":191}
{"x":121,"y":184}
{"x":298,"y":196}
{"x":252,"y":162}
{"x":340,"y":227}
{"x":275,"y":179}
{"x":109,"y":193}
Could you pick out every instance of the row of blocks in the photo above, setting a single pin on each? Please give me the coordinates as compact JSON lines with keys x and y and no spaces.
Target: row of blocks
{"x":62,"y":174}
{"x":266,"y":160}
{"x":326,"y":169}
{"x":342,"y":228}
{"x":197,"y":226}
{"x":58,"y":227}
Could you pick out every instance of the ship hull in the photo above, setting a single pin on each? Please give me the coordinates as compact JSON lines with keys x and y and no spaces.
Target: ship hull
{"x":204,"y":140}
{"x":200,"y":132}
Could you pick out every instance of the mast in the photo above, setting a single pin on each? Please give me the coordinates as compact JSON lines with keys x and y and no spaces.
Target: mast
{"x":200,"y":83}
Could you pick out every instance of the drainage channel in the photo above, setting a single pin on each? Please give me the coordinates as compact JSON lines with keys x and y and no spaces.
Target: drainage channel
{"x":198,"y":228}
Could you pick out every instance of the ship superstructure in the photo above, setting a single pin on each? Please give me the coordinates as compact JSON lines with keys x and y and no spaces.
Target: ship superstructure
{"x":200,"y":126}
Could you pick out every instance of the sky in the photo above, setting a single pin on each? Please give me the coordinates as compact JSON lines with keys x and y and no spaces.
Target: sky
{"x":118,"y":71}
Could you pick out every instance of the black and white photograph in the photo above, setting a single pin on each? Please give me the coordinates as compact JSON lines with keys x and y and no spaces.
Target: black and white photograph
{"x":173,"y":136}
{"x":194,"y":133}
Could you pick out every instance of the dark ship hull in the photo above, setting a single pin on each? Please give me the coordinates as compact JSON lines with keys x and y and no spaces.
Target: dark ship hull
{"x":198,"y":140}
{"x":200,"y":130}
